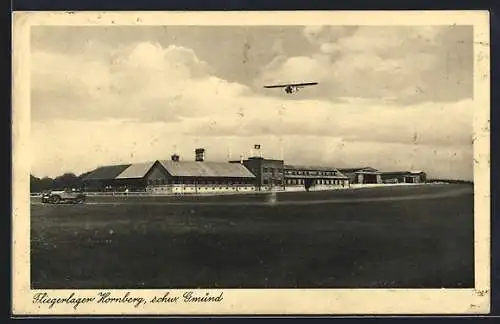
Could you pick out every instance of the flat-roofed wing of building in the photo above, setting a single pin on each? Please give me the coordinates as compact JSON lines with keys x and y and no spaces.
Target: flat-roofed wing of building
{"x":311,"y":170}
{"x":311,"y":177}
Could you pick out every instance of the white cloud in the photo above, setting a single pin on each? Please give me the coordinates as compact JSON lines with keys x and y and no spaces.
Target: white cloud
{"x":141,"y":79}
{"x":137,"y":102}
{"x":78,"y":146}
{"x":330,"y":48}
{"x":378,"y":61}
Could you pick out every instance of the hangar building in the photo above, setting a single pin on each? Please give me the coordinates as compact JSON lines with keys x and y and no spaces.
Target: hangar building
{"x":404,"y":177}
{"x":365,"y":175}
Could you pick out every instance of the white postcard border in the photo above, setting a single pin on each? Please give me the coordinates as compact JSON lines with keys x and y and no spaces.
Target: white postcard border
{"x":256,"y":301}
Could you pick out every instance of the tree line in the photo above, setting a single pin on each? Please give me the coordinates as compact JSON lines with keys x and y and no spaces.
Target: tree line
{"x":67,"y":180}
{"x":450,"y":181}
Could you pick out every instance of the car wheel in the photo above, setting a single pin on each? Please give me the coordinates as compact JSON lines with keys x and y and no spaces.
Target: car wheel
{"x":80,"y":200}
{"x":55,"y":199}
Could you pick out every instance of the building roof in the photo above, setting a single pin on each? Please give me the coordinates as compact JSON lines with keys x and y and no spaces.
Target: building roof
{"x":336,"y":171}
{"x":366,"y":169}
{"x":310,"y":167}
{"x":106,"y":172}
{"x":395,"y":173}
{"x":206,"y":169}
{"x":136,"y":170}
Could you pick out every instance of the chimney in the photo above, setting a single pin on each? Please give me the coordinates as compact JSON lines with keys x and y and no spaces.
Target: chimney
{"x":175,"y":157}
{"x":199,"y":154}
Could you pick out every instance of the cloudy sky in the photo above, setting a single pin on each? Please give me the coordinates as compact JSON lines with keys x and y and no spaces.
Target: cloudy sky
{"x":394,"y":98}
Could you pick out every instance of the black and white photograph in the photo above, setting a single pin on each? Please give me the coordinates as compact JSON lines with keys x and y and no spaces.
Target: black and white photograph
{"x":207,"y":164}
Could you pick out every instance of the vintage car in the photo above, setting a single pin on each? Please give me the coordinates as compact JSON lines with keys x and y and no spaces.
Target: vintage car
{"x":60,"y":196}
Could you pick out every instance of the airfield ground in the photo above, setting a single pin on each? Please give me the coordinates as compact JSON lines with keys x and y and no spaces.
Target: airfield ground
{"x":411,"y":237}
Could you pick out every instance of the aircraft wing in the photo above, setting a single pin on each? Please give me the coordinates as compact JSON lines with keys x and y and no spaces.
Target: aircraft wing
{"x":276,"y":86}
{"x":303,"y":84}
{"x":291,"y":85}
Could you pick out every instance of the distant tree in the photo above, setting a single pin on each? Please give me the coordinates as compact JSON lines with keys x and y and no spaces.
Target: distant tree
{"x":450,"y":181}
{"x":34,"y":183}
{"x":67,"y":180}
{"x":38,"y":185}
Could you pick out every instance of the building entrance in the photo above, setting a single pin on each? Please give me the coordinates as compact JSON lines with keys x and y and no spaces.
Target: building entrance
{"x":369,"y":178}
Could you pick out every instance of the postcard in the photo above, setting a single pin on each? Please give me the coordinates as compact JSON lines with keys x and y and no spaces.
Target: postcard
{"x":251,"y":163}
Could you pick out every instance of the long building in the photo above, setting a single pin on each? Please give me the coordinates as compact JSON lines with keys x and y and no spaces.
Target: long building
{"x":301,"y":177}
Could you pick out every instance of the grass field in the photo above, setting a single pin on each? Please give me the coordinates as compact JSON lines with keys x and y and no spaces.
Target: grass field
{"x":412,"y":237}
